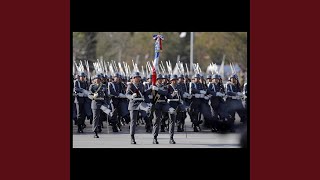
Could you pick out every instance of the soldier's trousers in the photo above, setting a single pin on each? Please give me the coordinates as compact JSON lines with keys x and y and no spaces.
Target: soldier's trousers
{"x":235,"y":106}
{"x":198,"y":106}
{"x":121,"y":110}
{"x":159,"y":109}
{"x":96,"y":119}
{"x":181,"y":112}
{"x":74,"y":115}
{"x":145,"y":117}
{"x":133,"y":122}
{"x":81,"y":113}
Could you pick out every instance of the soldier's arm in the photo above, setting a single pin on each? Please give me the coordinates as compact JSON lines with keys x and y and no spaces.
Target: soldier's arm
{"x":210,"y":91}
{"x":163,"y":92}
{"x":229,"y":91}
{"x":194,"y":90}
{"x":91,"y":88}
{"x":77,"y":88}
{"x":129,"y":91}
{"x":112,"y":90}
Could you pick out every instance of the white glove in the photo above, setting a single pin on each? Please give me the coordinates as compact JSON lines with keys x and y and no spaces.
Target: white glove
{"x":219,"y":94}
{"x":190,"y":96}
{"x":171,"y":110}
{"x":134,"y":95}
{"x":149,"y":104}
{"x":150,"y":96}
{"x":185,"y":95}
{"x":155,"y":88}
{"x":239,"y":93}
{"x":174,"y":93}
{"x":206,"y":97}
{"x":201,"y":95}
{"x":95,"y":95}
{"x":122,"y":95}
{"x":202,"y":92}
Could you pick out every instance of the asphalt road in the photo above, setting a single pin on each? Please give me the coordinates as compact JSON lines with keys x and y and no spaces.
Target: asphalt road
{"x":187,"y":139}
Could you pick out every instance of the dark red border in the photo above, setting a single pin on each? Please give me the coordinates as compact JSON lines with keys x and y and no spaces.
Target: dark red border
{"x":284,"y":75}
{"x":35,"y":74}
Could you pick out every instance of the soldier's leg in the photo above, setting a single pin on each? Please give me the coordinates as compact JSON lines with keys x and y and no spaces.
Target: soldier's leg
{"x":156,"y":125}
{"x":96,"y":119}
{"x":133,"y":117}
{"x":206,"y":111}
{"x":146,"y":119}
{"x":114,"y":118}
{"x":172,"y":118}
{"x":74,"y":117}
{"x":124,"y":112}
{"x":81,"y":116}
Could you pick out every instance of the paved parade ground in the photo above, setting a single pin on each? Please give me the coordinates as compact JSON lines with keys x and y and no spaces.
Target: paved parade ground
{"x":187,"y":139}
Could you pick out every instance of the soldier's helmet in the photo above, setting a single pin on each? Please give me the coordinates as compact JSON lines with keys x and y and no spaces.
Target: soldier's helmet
{"x":98,"y":76}
{"x":144,"y":79}
{"x":186,"y":76}
{"x":235,"y":76}
{"x":117,"y":75}
{"x":209,"y":76}
{"x":136,"y":74}
{"x":197,"y":76}
{"x":169,"y":76}
{"x":216,"y":76}
{"x":160,"y":76}
{"x":181,"y":76}
{"x":174,"y":77}
{"x":106,"y":76}
{"x":82,"y":74}
{"x":165,"y":76}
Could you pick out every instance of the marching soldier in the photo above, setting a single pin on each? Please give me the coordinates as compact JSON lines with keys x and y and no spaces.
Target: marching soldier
{"x":216,"y":101}
{"x":234,"y":102}
{"x":136,"y":95}
{"x":199,"y":103}
{"x":119,"y":102}
{"x":161,"y":106}
{"x":80,"y":87}
{"x":176,"y":102}
{"x":99,"y":102}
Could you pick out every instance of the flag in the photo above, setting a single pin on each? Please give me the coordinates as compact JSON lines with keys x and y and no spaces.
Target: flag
{"x":157,"y":49}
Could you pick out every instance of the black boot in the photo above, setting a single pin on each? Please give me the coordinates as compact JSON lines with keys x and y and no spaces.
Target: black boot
{"x":179,"y":128}
{"x":133,"y":140}
{"x":80,"y":129}
{"x":162,"y":128}
{"x":172,"y":141}
{"x":155,"y":141}
{"x":99,"y":129}
{"x":91,"y":118}
{"x":182,"y":127}
{"x":96,"y":134}
{"x":195,"y":128}
{"x":115,"y":128}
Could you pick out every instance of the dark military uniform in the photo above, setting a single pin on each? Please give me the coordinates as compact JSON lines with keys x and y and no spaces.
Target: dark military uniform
{"x":161,"y":106}
{"x":177,"y":103}
{"x":136,"y":95}
{"x":199,"y":104}
{"x":234,"y":102}
{"x":80,"y":87}
{"x":120,"y":103}
{"x":101,"y":93}
{"x":217,"y":103}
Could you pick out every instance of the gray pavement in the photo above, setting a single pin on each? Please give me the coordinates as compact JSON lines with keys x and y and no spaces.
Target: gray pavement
{"x":187,"y":139}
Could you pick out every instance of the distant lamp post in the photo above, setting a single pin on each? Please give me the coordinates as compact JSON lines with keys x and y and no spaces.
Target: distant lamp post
{"x":183,"y":35}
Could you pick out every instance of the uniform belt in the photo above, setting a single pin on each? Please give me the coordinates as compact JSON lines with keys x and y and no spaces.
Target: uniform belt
{"x":234,"y":97}
{"x":198,"y":96}
{"x":161,"y":101}
{"x":138,"y":99}
{"x":98,"y":99}
{"x":169,"y":100}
